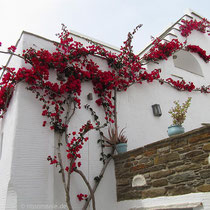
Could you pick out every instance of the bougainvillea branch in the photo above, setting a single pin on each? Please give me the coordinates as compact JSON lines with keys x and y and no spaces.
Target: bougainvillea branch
{"x":199,"y":51}
{"x":98,"y":179}
{"x":89,"y":187}
{"x":161,"y":51}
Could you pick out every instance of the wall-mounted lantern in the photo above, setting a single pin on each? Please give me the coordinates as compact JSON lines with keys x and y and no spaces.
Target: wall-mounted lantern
{"x":90,"y":96}
{"x":156,"y":110}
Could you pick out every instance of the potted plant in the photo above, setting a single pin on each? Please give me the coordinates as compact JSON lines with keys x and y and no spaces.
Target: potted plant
{"x":119,"y":142}
{"x":178,"y":114}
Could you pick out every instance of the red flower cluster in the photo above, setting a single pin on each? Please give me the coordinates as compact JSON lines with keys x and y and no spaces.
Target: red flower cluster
{"x":189,"y":25}
{"x":76,"y":144}
{"x":81,"y":196}
{"x":44,"y":123}
{"x":52,"y":160}
{"x":7,"y":85}
{"x":200,"y":51}
{"x":181,"y":85}
{"x":161,"y":51}
{"x":149,"y":77}
{"x":12,"y":48}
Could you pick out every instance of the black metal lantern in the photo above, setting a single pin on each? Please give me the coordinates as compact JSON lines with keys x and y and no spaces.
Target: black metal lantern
{"x":156,"y":110}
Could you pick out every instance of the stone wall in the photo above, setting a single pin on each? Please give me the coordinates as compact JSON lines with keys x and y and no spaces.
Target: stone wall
{"x":174,"y":166}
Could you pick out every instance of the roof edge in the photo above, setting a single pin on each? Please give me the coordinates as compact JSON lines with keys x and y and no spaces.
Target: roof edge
{"x":74,"y":33}
{"x":188,"y":13}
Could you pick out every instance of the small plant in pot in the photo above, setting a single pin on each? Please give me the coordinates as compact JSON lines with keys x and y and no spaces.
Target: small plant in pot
{"x":119,"y":142}
{"x":178,"y":114}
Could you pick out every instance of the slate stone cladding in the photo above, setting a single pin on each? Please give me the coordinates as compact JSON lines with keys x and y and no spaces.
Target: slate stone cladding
{"x":174,"y":166}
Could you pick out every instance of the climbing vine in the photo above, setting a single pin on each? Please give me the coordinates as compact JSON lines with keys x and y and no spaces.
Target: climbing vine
{"x":72,"y":63}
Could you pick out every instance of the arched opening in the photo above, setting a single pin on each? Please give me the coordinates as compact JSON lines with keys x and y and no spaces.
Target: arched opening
{"x":186,"y":61}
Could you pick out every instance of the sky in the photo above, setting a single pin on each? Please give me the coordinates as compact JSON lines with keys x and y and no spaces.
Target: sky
{"x":105,"y":20}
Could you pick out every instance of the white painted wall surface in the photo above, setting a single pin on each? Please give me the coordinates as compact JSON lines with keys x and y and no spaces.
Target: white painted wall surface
{"x":8,"y":127}
{"x":26,"y":145}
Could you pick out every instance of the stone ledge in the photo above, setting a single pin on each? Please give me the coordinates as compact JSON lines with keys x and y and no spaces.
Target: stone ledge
{"x":163,"y":142}
{"x":163,"y":207}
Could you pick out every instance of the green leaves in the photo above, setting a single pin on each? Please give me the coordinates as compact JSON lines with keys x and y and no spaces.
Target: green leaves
{"x":178,"y":113}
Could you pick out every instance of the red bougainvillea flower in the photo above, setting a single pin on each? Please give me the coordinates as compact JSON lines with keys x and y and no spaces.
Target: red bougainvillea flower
{"x":199,"y":51}
{"x":79,"y":164}
{"x":12,"y":48}
{"x":81,"y":196}
{"x":189,"y":25}
{"x":52,"y":160}
{"x":73,"y":133}
{"x":162,"y":50}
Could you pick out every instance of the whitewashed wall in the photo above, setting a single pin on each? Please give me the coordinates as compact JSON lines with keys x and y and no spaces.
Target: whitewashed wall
{"x":27,"y":179}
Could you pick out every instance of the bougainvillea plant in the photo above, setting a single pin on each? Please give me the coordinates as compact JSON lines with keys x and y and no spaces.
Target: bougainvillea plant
{"x":73,"y":65}
{"x":189,"y":25}
{"x":199,"y":51}
{"x":162,"y":50}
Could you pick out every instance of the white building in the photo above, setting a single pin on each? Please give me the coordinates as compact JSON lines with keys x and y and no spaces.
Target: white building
{"x":27,"y":181}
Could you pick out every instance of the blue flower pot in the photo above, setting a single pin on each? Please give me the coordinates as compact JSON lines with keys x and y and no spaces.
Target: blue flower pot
{"x":121,"y":148}
{"x":175,"y":129}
